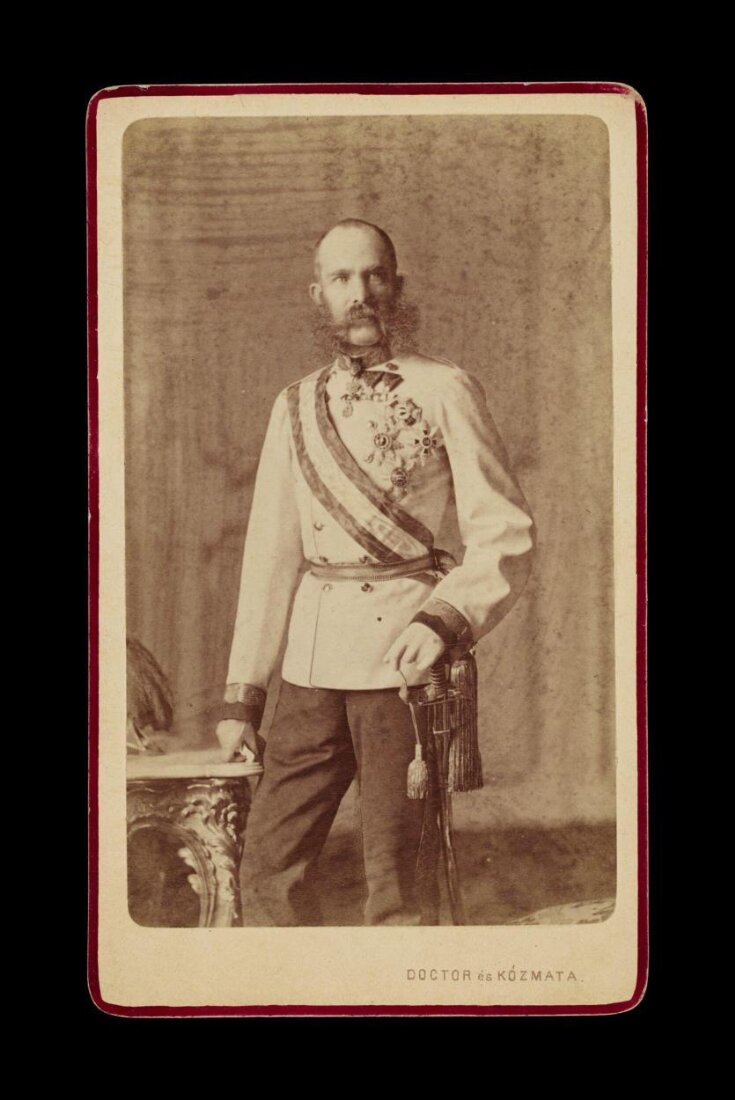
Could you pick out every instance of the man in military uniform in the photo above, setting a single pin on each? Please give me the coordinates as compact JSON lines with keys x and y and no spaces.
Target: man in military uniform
{"x":363,"y":461}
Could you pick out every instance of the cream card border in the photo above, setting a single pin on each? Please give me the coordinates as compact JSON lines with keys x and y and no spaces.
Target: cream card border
{"x":360,"y":966}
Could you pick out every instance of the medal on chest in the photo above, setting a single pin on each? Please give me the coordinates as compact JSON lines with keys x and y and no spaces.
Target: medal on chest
{"x":400,"y":441}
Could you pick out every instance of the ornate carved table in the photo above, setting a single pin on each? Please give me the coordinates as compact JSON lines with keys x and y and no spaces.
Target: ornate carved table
{"x":186,"y":824}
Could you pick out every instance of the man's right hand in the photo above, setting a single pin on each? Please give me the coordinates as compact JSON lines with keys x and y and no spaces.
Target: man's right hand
{"x":239,"y":738}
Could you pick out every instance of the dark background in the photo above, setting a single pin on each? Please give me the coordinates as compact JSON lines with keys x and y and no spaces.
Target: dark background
{"x":631,"y":57}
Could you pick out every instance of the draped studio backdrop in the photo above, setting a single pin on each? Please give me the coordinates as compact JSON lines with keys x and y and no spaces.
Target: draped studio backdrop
{"x":501,"y":225}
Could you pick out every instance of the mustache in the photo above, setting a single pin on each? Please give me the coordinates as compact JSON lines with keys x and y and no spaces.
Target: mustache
{"x":399,"y":325}
{"x":364,"y":313}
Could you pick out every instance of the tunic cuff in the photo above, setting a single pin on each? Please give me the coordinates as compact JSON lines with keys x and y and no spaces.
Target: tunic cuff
{"x":244,"y":703}
{"x":448,"y":623}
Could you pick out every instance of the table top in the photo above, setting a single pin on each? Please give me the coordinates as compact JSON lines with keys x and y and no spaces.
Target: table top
{"x":194,"y":764}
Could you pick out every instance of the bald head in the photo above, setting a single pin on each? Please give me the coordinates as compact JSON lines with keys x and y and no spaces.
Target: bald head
{"x":349,"y":230}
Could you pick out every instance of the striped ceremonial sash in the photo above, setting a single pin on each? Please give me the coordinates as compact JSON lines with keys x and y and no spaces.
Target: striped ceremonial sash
{"x":361,"y":508}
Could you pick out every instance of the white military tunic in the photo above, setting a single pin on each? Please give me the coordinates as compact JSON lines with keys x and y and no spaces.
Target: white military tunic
{"x":416,"y":454}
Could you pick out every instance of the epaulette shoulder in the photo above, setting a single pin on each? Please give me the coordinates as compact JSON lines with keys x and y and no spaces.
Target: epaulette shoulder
{"x":430,"y":363}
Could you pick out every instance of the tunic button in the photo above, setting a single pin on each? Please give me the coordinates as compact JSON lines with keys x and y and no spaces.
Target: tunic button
{"x":322,"y":558}
{"x":326,"y":588}
{"x":364,"y":559}
{"x":367,"y":587}
{"x":318,"y":526}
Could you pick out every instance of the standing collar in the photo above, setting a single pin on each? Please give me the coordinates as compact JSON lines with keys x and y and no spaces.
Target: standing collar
{"x":357,"y":360}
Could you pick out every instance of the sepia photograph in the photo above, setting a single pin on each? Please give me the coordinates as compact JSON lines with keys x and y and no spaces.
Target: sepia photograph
{"x":367,"y":654}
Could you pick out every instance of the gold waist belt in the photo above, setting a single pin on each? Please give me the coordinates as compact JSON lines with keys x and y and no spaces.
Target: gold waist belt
{"x":436,"y":561}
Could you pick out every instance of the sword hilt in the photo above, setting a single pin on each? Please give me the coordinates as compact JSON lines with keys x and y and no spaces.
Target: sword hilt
{"x":438,"y":674}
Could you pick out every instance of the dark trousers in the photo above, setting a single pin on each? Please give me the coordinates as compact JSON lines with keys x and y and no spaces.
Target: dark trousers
{"x":319,"y":741}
